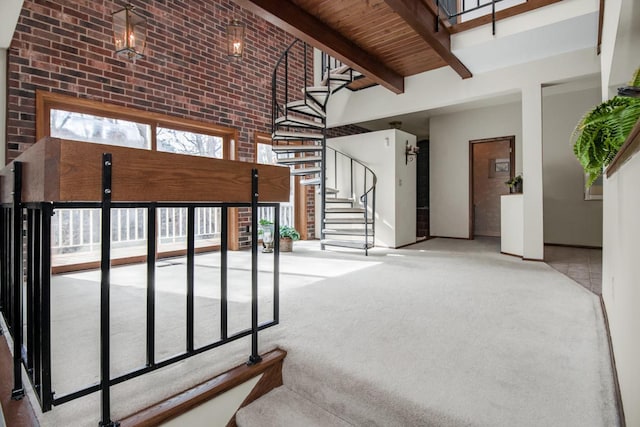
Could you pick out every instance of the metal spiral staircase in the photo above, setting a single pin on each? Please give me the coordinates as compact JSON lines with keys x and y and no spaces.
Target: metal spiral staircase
{"x":299,"y":140}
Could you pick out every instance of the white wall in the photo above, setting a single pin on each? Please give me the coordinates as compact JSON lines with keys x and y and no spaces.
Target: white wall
{"x":568,"y":218}
{"x":620,"y":35}
{"x":621,"y":210}
{"x":383,"y":152}
{"x":449,"y":161}
{"x":443,"y":87}
{"x":218,"y":411}
{"x":621,"y":280}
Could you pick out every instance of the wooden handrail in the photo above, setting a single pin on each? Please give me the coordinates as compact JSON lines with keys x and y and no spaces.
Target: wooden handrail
{"x":630,"y":147}
{"x":58,"y":170}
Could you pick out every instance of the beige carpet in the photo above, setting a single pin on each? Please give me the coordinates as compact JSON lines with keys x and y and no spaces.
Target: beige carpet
{"x":446,"y":333}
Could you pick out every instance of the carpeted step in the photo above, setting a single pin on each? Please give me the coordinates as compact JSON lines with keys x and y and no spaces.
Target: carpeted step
{"x":352,"y":244}
{"x":339,"y":200}
{"x":283,"y":408}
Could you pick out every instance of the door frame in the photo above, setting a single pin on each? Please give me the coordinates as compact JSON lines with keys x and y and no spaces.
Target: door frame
{"x":512,"y":163}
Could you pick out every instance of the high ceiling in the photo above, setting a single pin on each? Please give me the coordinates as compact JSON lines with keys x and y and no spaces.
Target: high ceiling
{"x":385,"y":40}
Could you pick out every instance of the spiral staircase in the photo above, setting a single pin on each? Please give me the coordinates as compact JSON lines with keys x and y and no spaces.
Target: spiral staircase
{"x":299,"y":140}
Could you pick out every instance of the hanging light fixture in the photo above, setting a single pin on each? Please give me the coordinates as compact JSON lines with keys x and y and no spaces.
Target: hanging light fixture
{"x":235,"y":40}
{"x":129,"y":33}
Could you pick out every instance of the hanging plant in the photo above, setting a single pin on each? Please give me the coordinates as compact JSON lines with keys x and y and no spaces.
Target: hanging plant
{"x":602,"y":131}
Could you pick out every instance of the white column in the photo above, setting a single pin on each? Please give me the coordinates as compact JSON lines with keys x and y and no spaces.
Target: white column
{"x":3,"y":107}
{"x":533,"y":238}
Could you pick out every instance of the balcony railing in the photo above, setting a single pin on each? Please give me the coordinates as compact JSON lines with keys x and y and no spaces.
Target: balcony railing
{"x":77,"y":231}
{"x":127,"y":187}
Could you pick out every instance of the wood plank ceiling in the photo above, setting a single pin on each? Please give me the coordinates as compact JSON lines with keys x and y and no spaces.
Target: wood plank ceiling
{"x":386,"y":40}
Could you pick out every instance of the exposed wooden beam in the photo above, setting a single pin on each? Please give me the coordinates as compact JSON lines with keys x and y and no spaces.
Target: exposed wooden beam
{"x":310,"y":29}
{"x":422,"y":19}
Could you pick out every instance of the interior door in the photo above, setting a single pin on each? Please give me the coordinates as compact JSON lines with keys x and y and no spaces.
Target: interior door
{"x":492,"y":163}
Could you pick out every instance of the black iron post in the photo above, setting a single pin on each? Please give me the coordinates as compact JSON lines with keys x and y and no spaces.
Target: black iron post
{"x":105,"y":267}
{"x":323,"y":182}
{"x":191,"y":231}
{"x":30,"y":302}
{"x":255,"y":356}
{"x":276,"y":264}
{"x":4,"y":280}
{"x":16,"y":283}
{"x":45,"y":307}
{"x":224,"y":236}
{"x":151,"y":283}
{"x":493,"y":16}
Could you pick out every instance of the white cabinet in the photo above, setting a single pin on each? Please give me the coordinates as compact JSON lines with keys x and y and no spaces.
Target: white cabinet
{"x":511,"y":224}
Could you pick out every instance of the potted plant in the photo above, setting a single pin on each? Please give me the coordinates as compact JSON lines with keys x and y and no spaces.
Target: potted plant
{"x":515,"y":184}
{"x":287,"y":235}
{"x":266,"y":232}
{"x":602,"y":131}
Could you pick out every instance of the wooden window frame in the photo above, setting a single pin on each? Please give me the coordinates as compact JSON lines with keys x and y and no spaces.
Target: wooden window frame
{"x":300,"y":196}
{"x":45,"y":101}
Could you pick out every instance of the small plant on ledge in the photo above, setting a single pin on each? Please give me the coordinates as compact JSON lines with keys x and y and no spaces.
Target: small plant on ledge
{"x":515,"y":184}
{"x":287,"y":235}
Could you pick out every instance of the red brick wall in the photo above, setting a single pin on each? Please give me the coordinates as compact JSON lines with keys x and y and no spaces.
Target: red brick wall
{"x":66,"y":46}
{"x":345,"y":131}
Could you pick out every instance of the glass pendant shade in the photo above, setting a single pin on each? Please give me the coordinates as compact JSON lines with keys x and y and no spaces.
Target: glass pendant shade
{"x":129,"y":33}
{"x":235,"y":40}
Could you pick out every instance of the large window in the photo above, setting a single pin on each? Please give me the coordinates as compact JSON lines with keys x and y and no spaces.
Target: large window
{"x":265,"y":155}
{"x":185,"y":142}
{"x":102,"y":130}
{"x":75,"y":232}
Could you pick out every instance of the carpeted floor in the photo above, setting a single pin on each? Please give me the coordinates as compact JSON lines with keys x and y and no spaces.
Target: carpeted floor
{"x":444,"y":332}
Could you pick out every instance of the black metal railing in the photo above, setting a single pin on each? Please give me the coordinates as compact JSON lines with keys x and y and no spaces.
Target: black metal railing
{"x":451,"y":12}
{"x":25,"y":276}
{"x":330,"y":64}
{"x":359,"y":181}
{"x":297,"y":55}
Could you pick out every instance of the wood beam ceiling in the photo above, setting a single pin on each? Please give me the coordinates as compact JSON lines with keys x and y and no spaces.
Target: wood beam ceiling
{"x":310,"y":29}
{"x":422,"y":19}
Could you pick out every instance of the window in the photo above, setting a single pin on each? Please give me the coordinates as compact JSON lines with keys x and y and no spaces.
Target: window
{"x":75,"y":234}
{"x":185,"y":142}
{"x":265,"y":155}
{"x":101,"y":130}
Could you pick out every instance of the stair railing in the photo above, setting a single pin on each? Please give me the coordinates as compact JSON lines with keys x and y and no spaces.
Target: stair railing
{"x":359,"y":175}
{"x":329,"y":63}
{"x":25,"y":262}
{"x":296,"y":54}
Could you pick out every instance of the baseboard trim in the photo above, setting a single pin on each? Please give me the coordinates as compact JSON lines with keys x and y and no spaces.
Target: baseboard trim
{"x":616,"y":383}
{"x":161,"y":412}
{"x":533,"y":259}
{"x":562,"y":245}
{"x":449,"y":237}
{"x":513,"y":255}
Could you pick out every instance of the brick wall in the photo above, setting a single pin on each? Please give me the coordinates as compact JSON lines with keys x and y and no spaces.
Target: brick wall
{"x":345,"y":131}
{"x":66,"y":47}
